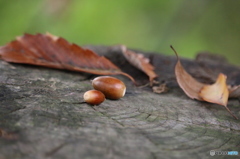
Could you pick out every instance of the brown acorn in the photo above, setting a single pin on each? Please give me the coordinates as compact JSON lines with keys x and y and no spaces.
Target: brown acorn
{"x":93,"y":97}
{"x":111,"y":87}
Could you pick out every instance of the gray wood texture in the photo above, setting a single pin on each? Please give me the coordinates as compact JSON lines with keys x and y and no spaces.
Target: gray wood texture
{"x":43,"y":117}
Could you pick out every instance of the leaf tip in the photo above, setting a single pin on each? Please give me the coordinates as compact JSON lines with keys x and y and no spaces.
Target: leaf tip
{"x":231,"y":113}
{"x":123,"y":48}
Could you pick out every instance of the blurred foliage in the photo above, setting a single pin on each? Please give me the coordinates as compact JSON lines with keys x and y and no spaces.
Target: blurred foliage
{"x":189,"y":25}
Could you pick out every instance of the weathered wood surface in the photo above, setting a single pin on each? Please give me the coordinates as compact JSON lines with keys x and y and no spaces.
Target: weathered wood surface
{"x":41,"y":109}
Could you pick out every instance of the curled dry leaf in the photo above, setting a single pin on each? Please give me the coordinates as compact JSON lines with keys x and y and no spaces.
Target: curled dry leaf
{"x":140,"y":62}
{"x":55,"y":52}
{"x":188,"y":84}
{"x":216,"y":93}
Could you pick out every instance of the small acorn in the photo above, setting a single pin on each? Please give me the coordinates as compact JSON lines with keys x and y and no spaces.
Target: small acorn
{"x":93,"y":97}
{"x":111,"y":87}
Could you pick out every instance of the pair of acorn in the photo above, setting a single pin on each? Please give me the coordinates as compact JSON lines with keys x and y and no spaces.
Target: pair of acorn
{"x":105,"y":87}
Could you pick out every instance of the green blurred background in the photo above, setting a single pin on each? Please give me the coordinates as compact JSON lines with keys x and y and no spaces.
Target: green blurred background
{"x":189,"y":25}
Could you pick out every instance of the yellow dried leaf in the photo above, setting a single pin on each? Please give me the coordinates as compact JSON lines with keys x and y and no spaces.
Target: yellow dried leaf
{"x":216,"y":93}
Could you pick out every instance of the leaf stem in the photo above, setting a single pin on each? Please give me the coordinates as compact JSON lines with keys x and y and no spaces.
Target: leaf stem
{"x":174,"y":51}
{"x":231,"y":112}
{"x":127,"y":75}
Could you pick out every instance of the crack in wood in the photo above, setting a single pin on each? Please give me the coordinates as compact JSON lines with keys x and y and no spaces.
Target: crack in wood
{"x":17,"y":109}
{"x":54,"y":150}
{"x":224,"y":143}
{"x":104,"y":114}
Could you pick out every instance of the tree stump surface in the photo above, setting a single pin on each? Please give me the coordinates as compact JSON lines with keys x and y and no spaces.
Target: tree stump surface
{"x":41,"y":114}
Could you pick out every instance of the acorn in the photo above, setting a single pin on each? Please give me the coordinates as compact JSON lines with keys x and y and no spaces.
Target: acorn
{"x":111,"y":87}
{"x":93,"y":97}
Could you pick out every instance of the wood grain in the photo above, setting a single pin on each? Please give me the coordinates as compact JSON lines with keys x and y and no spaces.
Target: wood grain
{"x":43,"y":107}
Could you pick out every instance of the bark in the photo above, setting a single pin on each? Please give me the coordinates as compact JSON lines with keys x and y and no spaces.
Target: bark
{"x":42,"y":114}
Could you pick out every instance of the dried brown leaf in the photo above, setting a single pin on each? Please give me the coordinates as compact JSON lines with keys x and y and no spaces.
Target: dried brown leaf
{"x":188,"y":84}
{"x":55,"y":52}
{"x":140,"y":62}
{"x":216,"y":93}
